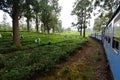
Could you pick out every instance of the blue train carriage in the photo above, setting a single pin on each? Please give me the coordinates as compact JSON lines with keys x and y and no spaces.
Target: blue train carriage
{"x":97,"y":35}
{"x":103,"y":35}
{"x":111,"y":42}
{"x":93,"y":35}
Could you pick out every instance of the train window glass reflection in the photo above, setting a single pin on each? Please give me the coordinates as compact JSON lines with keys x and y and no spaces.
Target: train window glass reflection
{"x":116,"y":36}
{"x":106,"y":34}
{"x":109,"y":33}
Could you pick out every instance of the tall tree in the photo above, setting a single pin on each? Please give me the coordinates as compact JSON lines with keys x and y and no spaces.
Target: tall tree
{"x":13,"y":8}
{"x":55,"y":13}
{"x":53,"y":21}
{"x":37,"y":7}
{"x":49,"y":7}
{"x":82,"y":10}
{"x":28,"y":13}
{"x":80,"y":26}
{"x":46,"y":18}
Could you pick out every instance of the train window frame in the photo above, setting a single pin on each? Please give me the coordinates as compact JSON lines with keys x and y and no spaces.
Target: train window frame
{"x":116,"y":38}
{"x":115,"y":45}
{"x":105,"y":34}
{"x":109,"y":33}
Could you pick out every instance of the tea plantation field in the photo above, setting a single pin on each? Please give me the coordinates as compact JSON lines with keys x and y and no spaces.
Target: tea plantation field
{"x":39,"y":53}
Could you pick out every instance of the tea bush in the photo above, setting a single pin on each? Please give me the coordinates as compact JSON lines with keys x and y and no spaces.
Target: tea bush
{"x":23,"y":62}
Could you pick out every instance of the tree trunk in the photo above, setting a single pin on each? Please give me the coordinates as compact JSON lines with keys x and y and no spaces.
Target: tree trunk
{"x":53,"y":30}
{"x":84,"y":31}
{"x":84,"y":27}
{"x":37,"y":25}
{"x":41,"y":28}
{"x":28,"y":25}
{"x":15,"y":14}
{"x":78,"y":30}
{"x":48,"y":30}
{"x":44,"y":29}
{"x":84,"y":24}
{"x":81,"y":31}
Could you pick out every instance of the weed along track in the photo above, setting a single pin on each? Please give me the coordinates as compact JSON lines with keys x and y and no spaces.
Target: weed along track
{"x":88,"y":63}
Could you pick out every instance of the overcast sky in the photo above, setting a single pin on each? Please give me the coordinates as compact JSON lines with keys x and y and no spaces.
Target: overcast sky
{"x":66,"y":17}
{"x":8,"y":17}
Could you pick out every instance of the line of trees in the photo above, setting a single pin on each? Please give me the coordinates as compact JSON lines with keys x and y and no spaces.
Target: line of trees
{"x":44,"y":11}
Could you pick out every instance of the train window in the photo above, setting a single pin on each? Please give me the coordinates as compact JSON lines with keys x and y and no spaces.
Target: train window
{"x":108,"y":39}
{"x":115,"y":44}
{"x":109,"y":33}
{"x":103,"y":33}
{"x":116,"y":36}
{"x":106,"y":34}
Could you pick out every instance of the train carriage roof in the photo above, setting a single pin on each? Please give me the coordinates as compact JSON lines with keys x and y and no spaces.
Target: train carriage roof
{"x":118,"y":9}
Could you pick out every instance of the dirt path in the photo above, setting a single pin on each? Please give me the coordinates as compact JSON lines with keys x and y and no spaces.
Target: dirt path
{"x":89,"y":63}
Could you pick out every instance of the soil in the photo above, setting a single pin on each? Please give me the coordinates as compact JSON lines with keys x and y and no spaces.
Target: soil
{"x":93,"y":54}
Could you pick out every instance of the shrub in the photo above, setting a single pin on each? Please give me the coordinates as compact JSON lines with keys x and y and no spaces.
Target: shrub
{"x":58,"y":55}
{"x":12,"y":75}
{"x":20,"y":65}
{"x":17,"y":61}
{"x":65,"y":73}
{"x":2,"y":61}
{"x":43,"y":66}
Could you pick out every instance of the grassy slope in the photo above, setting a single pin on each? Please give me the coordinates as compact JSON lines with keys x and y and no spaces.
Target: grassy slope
{"x":29,"y":40}
{"x":23,"y":62}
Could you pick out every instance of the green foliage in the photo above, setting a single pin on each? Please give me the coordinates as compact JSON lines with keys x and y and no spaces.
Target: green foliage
{"x":7,"y":5}
{"x":97,"y":55}
{"x":66,"y":70}
{"x":99,"y":23}
{"x":79,"y":71}
{"x":12,"y":75}
{"x":2,"y":61}
{"x":107,"y":5}
{"x":23,"y":62}
{"x":47,"y":11}
{"x":82,"y":9}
